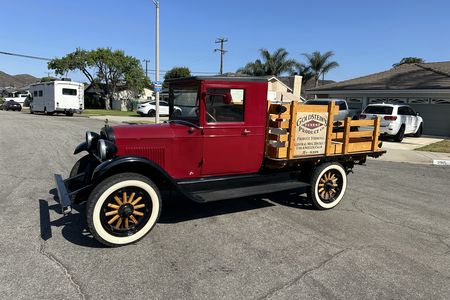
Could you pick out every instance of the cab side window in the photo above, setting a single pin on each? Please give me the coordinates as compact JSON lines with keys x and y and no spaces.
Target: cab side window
{"x":225,"y":105}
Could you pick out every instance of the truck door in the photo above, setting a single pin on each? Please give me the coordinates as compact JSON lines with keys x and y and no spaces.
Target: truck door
{"x":233,"y":139}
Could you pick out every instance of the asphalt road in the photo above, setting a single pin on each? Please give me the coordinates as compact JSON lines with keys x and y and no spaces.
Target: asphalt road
{"x":389,"y":237}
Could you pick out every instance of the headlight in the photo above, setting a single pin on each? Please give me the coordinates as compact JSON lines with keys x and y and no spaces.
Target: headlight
{"x":106,"y":149}
{"x":91,"y":139}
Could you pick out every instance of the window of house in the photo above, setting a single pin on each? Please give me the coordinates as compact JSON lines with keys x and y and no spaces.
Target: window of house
{"x":40,"y":94}
{"x":440,"y":101}
{"x":69,"y":92}
{"x":418,"y":100}
{"x":35,"y":93}
{"x":225,"y":105}
{"x":378,"y":100}
{"x":397,"y":100}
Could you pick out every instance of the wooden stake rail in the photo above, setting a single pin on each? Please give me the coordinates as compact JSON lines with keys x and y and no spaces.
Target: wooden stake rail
{"x":287,"y":131}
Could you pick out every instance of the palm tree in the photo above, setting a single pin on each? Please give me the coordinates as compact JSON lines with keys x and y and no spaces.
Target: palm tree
{"x":320,"y":64}
{"x":302,"y":70}
{"x":274,"y":63}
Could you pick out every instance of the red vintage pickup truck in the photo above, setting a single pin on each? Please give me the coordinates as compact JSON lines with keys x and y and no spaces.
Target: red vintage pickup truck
{"x":226,"y":140}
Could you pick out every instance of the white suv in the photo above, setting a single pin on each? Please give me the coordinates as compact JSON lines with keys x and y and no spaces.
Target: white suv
{"x":396,"y":120}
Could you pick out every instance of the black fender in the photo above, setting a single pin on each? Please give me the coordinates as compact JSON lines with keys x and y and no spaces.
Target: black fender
{"x":135,"y":164}
{"x":80,"y":148}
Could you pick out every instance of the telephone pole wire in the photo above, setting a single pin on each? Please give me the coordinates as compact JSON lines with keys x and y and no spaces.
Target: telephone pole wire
{"x":222,"y":51}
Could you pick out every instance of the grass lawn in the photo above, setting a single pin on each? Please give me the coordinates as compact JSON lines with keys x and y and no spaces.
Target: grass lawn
{"x":104,"y":112}
{"x":442,"y":146}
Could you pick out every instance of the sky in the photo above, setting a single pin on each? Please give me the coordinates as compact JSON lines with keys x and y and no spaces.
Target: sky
{"x":366,"y":36}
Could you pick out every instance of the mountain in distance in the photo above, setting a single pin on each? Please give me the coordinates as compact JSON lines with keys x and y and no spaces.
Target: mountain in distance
{"x":17,"y":81}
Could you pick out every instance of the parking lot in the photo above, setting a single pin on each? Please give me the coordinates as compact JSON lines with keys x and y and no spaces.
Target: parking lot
{"x":388,"y":238}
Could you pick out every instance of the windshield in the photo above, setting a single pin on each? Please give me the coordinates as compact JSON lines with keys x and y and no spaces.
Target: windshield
{"x":183,"y":103}
{"x":378,"y":110}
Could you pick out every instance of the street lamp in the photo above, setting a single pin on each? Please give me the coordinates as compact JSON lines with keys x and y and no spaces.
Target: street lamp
{"x":156,"y":2}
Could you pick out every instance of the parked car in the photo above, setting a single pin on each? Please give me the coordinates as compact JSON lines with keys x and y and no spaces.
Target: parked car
{"x":344,"y":110}
{"x":396,"y":120}
{"x":149,"y":109}
{"x":12,"y":105}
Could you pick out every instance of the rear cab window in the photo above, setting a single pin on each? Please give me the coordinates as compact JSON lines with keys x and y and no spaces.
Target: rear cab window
{"x":378,"y":110}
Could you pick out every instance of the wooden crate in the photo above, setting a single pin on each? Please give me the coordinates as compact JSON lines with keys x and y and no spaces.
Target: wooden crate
{"x":282,"y":138}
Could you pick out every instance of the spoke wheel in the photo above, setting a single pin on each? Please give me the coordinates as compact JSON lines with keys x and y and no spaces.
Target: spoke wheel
{"x":126,"y":211}
{"x":328,"y":185}
{"x":123,"y":208}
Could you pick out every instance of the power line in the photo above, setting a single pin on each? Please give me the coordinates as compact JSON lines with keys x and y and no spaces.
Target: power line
{"x":25,"y":56}
{"x":152,"y":71}
{"x":222,"y":51}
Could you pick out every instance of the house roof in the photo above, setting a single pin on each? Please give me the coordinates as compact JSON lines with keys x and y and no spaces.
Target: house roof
{"x":404,"y":77}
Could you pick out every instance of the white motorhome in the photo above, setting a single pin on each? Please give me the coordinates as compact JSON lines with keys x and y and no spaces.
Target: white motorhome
{"x":57,"y":97}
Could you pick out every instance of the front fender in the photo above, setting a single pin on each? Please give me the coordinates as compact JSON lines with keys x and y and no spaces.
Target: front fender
{"x":133,"y":164}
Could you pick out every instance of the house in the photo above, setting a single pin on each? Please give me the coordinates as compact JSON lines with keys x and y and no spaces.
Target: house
{"x":424,"y":86}
{"x":282,"y":90}
{"x":309,"y":84}
{"x":95,"y":97}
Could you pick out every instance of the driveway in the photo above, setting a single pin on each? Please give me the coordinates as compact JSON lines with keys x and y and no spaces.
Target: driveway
{"x":404,"y":151}
{"x":389,"y":238}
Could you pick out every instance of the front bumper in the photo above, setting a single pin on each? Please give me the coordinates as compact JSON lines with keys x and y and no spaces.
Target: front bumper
{"x":64,"y":197}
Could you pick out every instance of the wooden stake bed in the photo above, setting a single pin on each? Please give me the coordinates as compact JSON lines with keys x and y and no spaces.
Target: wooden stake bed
{"x":297,"y":131}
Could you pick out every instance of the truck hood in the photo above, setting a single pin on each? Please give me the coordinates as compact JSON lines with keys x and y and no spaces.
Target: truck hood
{"x":142,"y":132}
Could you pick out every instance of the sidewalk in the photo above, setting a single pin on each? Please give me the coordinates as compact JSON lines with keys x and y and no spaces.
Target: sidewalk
{"x":404,"y":151}
{"x":125,"y":119}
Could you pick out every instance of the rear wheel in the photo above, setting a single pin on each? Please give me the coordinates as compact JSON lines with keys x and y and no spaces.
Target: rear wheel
{"x":419,"y":131}
{"x":328,"y":185}
{"x":69,"y":113}
{"x":400,"y":134}
{"x":123,"y":208}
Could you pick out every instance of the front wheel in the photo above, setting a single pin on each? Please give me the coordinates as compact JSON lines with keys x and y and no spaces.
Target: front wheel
{"x":328,"y":185}
{"x":123,"y":208}
{"x":151,"y":113}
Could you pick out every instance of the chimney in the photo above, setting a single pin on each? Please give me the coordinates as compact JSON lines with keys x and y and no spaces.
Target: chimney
{"x":297,"y":89}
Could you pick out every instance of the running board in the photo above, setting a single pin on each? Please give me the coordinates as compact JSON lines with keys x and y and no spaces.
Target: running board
{"x":244,"y":191}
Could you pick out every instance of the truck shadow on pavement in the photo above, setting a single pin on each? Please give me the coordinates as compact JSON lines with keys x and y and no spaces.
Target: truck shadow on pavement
{"x":176,"y":209}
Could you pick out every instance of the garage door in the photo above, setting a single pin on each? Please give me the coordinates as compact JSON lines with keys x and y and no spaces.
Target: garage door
{"x":435,"y":114}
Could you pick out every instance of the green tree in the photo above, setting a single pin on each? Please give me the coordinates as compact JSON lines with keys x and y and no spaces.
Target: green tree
{"x":177,"y":72}
{"x":319,"y":64}
{"x":46,"y":79}
{"x":409,"y":60}
{"x":302,"y":70}
{"x":274,"y":63}
{"x":104,"y":68}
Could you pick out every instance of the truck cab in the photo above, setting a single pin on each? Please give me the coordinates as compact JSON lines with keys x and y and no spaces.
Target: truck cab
{"x":220,"y":129}
{"x":214,"y":146}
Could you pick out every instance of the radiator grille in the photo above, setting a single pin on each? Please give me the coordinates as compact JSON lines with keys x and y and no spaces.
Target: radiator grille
{"x":154,"y":154}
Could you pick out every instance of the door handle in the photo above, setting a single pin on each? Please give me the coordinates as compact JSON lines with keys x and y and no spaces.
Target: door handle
{"x":246,"y":131}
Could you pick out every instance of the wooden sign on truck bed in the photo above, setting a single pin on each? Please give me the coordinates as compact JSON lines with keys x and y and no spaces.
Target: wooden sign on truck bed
{"x":296,"y":130}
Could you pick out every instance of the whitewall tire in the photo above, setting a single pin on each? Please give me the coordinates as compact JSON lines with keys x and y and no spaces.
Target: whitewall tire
{"x":123,"y":208}
{"x":328,"y":185}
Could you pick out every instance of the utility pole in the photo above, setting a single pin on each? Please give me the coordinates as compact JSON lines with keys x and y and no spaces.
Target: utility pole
{"x":146,"y":67}
{"x":156,"y":2}
{"x":222,"y":51}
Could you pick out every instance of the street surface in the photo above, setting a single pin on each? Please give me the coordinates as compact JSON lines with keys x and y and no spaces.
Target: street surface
{"x":389,"y":237}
